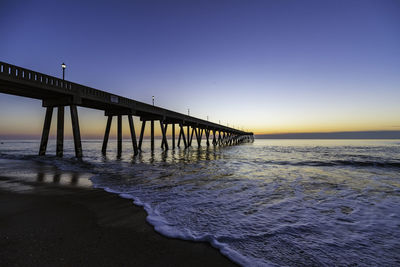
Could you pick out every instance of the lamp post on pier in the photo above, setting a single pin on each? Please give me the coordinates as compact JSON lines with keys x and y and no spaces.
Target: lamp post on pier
{"x":63,"y":66}
{"x":153,"y":100}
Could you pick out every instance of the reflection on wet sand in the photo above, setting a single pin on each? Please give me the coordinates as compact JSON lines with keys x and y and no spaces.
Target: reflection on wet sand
{"x":65,"y":179}
{"x":40,"y":176}
{"x":74,"y":179}
{"x":23,"y":175}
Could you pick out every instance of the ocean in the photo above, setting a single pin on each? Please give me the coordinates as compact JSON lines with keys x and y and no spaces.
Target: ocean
{"x":266,"y":203}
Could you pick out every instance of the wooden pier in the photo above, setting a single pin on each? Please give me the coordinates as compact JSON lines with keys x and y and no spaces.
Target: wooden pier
{"x":59,"y":93}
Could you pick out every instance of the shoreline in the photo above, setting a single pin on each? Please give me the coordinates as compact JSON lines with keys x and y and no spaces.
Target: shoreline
{"x":50,"y":224}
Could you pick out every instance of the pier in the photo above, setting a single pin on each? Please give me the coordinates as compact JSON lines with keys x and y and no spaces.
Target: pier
{"x":59,"y":93}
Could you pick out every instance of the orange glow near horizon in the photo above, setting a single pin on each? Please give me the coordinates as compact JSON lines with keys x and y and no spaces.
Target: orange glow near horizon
{"x":25,"y":119}
{"x":93,"y":127}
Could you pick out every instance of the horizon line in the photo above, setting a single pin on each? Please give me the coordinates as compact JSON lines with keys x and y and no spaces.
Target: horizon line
{"x":383,"y":134}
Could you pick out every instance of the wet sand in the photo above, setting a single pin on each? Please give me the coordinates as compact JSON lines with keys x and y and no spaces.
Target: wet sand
{"x":53,"y":225}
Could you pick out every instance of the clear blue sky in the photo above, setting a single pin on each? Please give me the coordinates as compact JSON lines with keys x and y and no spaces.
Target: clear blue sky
{"x":268,"y":66}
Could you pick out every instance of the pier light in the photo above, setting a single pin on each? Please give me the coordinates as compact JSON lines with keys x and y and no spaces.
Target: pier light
{"x":63,"y":66}
{"x":188,"y":112}
{"x":153,"y":99}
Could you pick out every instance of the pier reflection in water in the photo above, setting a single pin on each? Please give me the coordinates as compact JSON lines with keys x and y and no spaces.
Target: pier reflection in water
{"x":63,"y":178}
{"x":24,"y":176}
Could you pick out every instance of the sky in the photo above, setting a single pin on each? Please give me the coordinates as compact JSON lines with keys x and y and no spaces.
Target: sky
{"x":264,"y":66}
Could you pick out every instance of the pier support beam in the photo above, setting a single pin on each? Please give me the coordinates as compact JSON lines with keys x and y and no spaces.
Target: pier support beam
{"x":188,"y":136}
{"x":179,"y":137}
{"x":200,"y":136}
{"x":119,"y":135}
{"x":46,"y":130}
{"x":214,"y":142}
{"x":207,"y":136}
{"x":199,"y":133}
{"x":76,"y":132}
{"x":173,"y":136}
{"x":182,"y":132}
{"x":152,"y":134}
{"x":106,"y":135}
{"x":165,"y":130}
{"x":191,"y":137}
{"x":133,"y":135}
{"x":197,"y":136}
{"x":164,"y":135}
{"x":141,"y":135}
{"x":60,"y":131}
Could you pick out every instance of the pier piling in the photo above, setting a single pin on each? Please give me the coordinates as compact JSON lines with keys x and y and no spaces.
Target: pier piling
{"x":183,"y":136}
{"x":133,"y":135}
{"x":119,"y":136}
{"x":46,"y":130}
{"x":60,"y":131}
{"x":173,"y":135}
{"x":164,"y":136}
{"x":141,"y":135}
{"x":75,"y":131}
{"x":106,"y":135}
{"x":152,"y":134}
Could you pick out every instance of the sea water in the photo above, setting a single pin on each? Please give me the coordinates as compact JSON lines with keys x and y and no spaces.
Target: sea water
{"x":267,"y":203}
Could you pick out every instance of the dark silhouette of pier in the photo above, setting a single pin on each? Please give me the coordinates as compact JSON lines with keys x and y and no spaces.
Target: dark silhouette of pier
{"x":58,"y":93}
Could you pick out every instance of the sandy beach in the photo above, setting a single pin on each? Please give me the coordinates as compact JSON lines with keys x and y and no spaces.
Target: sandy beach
{"x":54,"y":225}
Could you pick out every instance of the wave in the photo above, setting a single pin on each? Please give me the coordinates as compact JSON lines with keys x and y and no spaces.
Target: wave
{"x":64,"y":164}
{"x":162,"y":226}
{"x":338,"y":163}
